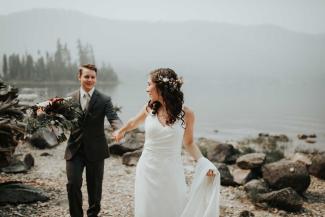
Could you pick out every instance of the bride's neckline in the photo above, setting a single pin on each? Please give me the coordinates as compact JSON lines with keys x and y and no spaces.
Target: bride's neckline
{"x":155,"y":116}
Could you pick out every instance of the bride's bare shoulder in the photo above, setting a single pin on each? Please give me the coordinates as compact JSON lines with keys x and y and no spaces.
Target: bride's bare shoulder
{"x":188,"y":112}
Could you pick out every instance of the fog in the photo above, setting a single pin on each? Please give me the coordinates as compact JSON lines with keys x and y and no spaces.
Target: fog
{"x":247,"y":68}
{"x":299,"y":15}
{"x":191,"y":47}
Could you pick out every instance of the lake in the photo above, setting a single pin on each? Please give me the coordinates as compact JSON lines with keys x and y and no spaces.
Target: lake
{"x":228,"y":109}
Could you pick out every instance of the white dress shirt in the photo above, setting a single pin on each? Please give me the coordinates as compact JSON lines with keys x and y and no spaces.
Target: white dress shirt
{"x":84,"y":95}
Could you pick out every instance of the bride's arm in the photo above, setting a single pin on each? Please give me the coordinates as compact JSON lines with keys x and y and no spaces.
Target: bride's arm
{"x":131,"y":124}
{"x":188,"y":139}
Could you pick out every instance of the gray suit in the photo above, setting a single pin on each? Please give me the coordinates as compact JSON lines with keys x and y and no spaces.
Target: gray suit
{"x":87,"y":148}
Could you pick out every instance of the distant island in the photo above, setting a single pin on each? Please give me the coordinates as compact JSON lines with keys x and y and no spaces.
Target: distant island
{"x":53,"y":67}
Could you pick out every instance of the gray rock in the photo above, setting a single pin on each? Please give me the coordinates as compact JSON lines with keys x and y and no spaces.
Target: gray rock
{"x":120,"y":149}
{"x":206,"y":145}
{"x":246,"y":213}
{"x":302,"y":158}
{"x":286,"y":199}
{"x":131,"y":158}
{"x":305,"y":136}
{"x":250,"y":161}
{"x":16,"y":193}
{"x":256,"y":186}
{"x":302,"y":136}
{"x":223,"y":153}
{"x":134,"y":140}
{"x":310,"y":141}
{"x":317,"y":167}
{"x":226,"y":178}
{"x":44,"y":138}
{"x":242,"y":176}
{"x":286,"y":173}
{"x":29,"y":161}
{"x":16,"y":166}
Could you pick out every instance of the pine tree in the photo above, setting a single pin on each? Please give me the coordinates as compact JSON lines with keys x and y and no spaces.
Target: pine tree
{"x":5,"y":67}
{"x":40,"y":69}
{"x":29,"y":68}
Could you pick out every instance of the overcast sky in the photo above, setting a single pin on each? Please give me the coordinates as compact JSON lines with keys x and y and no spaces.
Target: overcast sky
{"x":299,"y":15}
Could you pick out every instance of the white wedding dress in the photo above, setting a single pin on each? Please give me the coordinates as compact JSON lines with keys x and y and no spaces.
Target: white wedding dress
{"x":160,"y":187}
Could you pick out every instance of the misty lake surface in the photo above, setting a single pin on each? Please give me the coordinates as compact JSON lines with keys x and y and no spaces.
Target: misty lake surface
{"x":227,"y":109}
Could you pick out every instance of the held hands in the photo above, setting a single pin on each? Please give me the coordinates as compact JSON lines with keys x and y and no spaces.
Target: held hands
{"x":118,"y":136}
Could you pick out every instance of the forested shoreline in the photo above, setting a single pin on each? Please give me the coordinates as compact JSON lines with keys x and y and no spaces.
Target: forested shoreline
{"x":53,"y":67}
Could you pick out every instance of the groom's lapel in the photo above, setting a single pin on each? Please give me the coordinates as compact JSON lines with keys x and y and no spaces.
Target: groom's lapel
{"x":76,"y":96}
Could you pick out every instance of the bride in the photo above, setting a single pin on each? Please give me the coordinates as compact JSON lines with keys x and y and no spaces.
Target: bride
{"x":160,"y":187}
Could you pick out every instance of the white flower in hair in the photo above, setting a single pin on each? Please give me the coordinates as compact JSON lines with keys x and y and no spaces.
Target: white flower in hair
{"x":165,"y":79}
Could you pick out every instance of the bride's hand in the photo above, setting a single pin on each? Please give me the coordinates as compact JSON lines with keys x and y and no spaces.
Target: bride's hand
{"x":210,"y":173}
{"x":117,"y":135}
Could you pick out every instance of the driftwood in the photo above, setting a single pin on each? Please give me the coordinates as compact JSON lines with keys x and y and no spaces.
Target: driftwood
{"x":12,"y":129}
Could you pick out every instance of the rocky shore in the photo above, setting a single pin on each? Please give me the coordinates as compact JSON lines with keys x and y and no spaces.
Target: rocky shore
{"x":48,"y":175}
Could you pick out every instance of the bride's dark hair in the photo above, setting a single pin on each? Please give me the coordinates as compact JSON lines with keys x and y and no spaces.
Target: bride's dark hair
{"x":168,"y":85}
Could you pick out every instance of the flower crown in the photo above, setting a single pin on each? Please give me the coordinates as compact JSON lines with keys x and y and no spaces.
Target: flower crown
{"x":171,"y":82}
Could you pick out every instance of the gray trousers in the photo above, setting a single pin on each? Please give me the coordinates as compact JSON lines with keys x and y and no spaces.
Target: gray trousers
{"x":94,"y":178}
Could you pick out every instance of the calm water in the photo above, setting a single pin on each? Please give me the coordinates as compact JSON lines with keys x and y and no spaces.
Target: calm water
{"x":236,"y":108}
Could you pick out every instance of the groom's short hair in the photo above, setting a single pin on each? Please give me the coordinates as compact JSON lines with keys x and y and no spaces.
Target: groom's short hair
{"x":88,"y":66}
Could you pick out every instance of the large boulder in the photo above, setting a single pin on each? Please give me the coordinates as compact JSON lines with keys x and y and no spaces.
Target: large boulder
{"x":44,"y":138}
{"x":242,"y":176}
{"x":131,"y":158}
{"x":206,"y":145}
{"x":302,"y":158}
{"x":285,"y":199}
{"x":134,"y":140}
{"x":251,"y":161}
{"x":286,"y":173}
{"x":120,"y":149}
{"x":256,"y":186}
{"x":226,"y":178}
{"x":16,"y":193}
{"x":317,"y":167}
{"x":222,"y":153}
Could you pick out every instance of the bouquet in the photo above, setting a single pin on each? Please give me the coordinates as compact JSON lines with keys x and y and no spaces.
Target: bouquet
{"x":57,"y":115}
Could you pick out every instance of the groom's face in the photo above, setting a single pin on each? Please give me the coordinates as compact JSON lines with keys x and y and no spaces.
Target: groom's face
{"x":87,"y":79}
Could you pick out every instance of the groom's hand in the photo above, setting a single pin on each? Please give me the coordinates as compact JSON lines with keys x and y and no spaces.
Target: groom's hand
{"x":40,"y":111}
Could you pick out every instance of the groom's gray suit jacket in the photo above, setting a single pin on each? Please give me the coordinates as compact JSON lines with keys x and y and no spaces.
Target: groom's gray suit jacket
{"x":90,"y":135}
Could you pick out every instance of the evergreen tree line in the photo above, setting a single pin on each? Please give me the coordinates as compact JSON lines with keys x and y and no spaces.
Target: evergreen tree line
{"x":53,"y":67}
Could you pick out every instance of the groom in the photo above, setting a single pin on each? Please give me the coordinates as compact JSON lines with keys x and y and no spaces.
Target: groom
{"x":87,"y":146}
